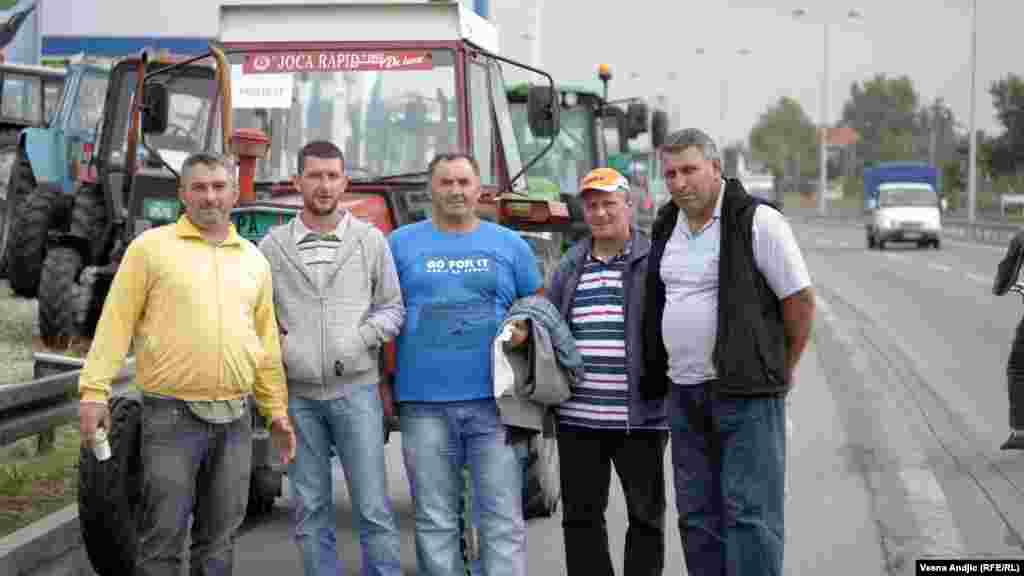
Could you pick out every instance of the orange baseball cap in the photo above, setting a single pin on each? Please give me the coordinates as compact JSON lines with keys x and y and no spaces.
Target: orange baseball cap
{"x":605,"y":179}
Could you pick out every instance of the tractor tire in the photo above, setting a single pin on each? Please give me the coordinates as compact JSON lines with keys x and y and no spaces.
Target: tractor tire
{"x":8,"y":160}
{"x":26,"y":244}
{"x":65,"y":294}
{"x":60,"y":297}
{"x":110,"y":493}
{"x":264,"y":488}
{"x":543,"y":480}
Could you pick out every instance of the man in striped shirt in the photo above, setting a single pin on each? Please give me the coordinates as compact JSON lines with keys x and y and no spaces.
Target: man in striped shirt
{"x":599,"y":289}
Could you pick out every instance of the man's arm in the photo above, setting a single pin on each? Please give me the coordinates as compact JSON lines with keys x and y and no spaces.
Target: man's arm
{"x":797,"y":318}
{"x":114,"y":332}
{"x":779,"y":259}
{"x":269,"y":388}
{"x":387,"y":310}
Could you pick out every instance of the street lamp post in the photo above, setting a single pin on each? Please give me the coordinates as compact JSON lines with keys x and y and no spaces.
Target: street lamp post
{"x":800,"y":13}
{"x":723,"y":104}
{"x":972,"y":145}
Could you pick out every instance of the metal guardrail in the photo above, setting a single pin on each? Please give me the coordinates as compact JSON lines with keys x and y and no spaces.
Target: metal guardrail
{"x":985,"y":231}
{"x":38,"y":406}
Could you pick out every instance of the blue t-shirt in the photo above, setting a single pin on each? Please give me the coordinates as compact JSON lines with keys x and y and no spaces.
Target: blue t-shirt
{"x":457,"y":289}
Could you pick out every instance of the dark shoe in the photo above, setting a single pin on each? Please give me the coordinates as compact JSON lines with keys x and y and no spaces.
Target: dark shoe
{"x":1014,"y":442}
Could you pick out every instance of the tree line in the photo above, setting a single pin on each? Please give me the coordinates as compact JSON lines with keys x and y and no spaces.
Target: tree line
{"x":893,"y":124}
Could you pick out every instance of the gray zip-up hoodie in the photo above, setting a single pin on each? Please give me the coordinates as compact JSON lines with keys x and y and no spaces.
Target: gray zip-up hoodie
{"x":331,"y":337}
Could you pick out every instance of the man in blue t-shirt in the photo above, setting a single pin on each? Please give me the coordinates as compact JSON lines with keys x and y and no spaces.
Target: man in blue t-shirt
{"x":459,"y":276}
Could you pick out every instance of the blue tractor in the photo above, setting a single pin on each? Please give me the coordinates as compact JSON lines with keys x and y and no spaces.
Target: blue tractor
{"x":48,"y":166}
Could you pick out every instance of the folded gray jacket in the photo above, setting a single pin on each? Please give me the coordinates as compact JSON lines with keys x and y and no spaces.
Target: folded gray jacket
{"x":544,"y":370}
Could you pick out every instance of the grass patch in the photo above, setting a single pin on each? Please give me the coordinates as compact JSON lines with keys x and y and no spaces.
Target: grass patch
{"x":33,"y":485}
{"x":16,"y":316}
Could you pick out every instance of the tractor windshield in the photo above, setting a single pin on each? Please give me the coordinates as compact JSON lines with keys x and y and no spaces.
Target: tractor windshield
{"x":569,"y":159}
{"x":390,"y":111}
{"x":191,"y":96}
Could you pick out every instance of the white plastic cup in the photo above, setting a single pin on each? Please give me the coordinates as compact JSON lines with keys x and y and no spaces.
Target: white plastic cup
{"x":100,"y":445}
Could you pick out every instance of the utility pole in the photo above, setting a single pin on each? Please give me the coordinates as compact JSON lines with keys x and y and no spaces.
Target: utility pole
{"x":972,"y":137}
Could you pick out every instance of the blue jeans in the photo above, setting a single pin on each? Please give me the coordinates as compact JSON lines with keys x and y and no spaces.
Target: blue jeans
{"x":353,"y":425}
{"x":191,"y":468}
{"x":728,"y":457}
{"x":437,"y":439}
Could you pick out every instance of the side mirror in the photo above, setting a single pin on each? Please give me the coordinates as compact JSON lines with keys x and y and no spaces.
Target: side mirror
{"x":155,"y":109}
{"x":636,"y":118}
{"x":542,"y":111}
{"x":659,"y":129}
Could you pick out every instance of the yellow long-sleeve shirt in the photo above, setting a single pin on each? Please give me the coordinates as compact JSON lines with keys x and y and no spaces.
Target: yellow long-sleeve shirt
{"x":202,"y":319}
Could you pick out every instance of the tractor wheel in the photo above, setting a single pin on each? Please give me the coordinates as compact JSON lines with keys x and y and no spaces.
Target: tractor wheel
{"x":110,"y":493}
{"x":65,"y":293}
{"x":264,"y":488}
{"x":26,"y":244}
{"x":61,"y":297}
{"x":8,"y":159}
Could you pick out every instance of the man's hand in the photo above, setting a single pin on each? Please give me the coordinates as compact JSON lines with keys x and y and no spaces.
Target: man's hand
{"x":92,"y":415}
{"x":520,"y":332}
{"x":283,"y":438}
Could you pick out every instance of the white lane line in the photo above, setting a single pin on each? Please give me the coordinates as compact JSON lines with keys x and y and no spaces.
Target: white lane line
{"x":844,"y":244}
{"x":898,"y":257}
{"x":979,"y":278}
{"x":940,"y":267}
{"x":925,"y":497}
{"x":931,"y":511}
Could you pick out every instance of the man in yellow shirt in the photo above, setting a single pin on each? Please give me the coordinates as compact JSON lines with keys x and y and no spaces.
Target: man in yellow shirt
{"x":196,"y":300}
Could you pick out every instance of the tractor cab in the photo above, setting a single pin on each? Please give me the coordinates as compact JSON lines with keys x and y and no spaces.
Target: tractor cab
{"x":392,"y":85}
{"x":155,"y":113}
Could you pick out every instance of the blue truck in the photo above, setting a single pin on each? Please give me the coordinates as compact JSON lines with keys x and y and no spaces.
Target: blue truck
{"x":903,"y":204}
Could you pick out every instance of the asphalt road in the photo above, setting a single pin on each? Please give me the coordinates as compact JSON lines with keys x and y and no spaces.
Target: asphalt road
{"x":898,"y":412}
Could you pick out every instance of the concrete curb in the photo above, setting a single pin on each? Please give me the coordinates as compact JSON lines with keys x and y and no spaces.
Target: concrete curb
{"x":49,"y":546}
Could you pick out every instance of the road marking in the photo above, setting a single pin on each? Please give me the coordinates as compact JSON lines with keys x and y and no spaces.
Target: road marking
{"x":898,"y":257}
{"x":936,"y":531}
{"x":940,"y":267}
{"x":975,"y":245}
{"x":844,"y":244}
{"x":978,"y":278}
{"x":931,"y":511}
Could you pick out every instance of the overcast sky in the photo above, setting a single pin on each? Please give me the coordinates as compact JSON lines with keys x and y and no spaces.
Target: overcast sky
{"x":929,"y":40}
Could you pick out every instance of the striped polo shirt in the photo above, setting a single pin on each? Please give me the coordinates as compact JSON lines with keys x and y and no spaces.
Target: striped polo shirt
{"x":318,"y":250}
{"x":601,"y":399}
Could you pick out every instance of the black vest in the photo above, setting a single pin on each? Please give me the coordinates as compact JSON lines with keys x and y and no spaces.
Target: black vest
{"x":749,"y":353}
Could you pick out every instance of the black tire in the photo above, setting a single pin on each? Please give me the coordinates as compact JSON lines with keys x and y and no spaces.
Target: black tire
{"x":110,"y":494}
{"x":264,"y":488}
{"x":64,"y":298}
{"x":26,"y":244}
{"x":543,"y":481}
{"x":60,"y":296}
{"x":8,"y":160}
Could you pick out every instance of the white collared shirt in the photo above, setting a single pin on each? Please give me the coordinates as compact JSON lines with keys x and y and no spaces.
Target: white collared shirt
{"x":689,"y":269}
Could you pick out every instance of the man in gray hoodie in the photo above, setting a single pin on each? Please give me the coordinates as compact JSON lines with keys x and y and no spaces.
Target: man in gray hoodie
{"x":337,"y":299}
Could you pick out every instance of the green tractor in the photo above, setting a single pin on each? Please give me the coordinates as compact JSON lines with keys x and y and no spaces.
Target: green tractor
{"x":594,"y":132}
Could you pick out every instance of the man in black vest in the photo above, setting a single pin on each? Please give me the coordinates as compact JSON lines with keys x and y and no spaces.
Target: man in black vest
{"x":728,"y":314}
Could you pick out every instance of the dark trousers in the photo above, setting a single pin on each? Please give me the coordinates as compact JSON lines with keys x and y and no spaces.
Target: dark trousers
{"x":1015,"y":380}
{"x":586,"y":458}
{"x":191,"y":468}
{"x":729,"y":457}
